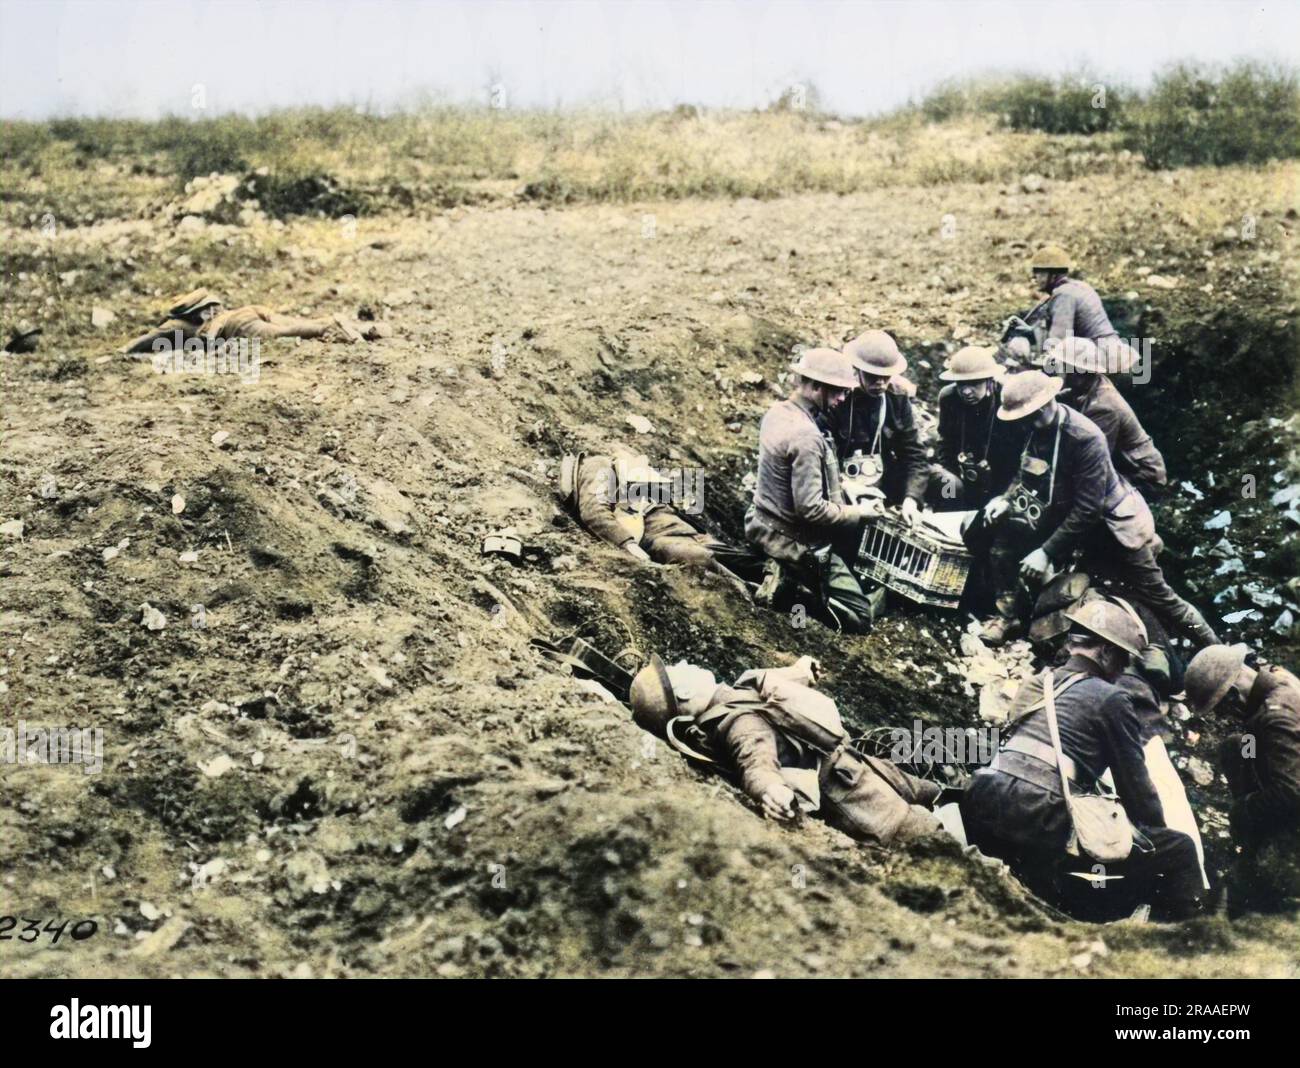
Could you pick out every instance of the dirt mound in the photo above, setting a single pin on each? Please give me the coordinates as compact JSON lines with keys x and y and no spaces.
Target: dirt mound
{"x":341,"y":755}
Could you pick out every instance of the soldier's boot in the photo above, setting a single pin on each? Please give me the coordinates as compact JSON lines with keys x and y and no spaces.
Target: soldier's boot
{"x":1006,"y":625}
{"x":999,"y":630}
{"x":341,"y":330}
{"x":876,"y":599}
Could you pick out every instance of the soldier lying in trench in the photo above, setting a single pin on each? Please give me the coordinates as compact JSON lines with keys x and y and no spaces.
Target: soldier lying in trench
{"x":623,"y":500}
{"x":788,"y":746}
{"x":199,"y":314}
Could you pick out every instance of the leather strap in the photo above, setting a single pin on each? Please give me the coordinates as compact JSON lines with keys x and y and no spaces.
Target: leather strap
{"x":1033,"y":747}
{"x":1049,"y":703}
{"x":1026,"y":768}
{"x":1070,"y":680}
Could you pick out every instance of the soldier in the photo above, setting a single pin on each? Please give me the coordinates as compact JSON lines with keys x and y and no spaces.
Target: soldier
{"x":1073,"y":309}
{"x":876,"y":429}
{"x":977,"y":452}
{"x":787,"y":744}
{"x":799,"y":519}
{"x":626,"y":502}
{"x":1089,"y":390}
{"x":198,"y":314}
{"x":1262,"y":765}
{"x":1016,"y":809}
{"x":1067,"y":497}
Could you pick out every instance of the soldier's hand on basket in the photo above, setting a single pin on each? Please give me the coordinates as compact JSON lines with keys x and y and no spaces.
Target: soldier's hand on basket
{"x":1034,"y":566}
{"x":908,"y":511}
{"x":778,"y":802}
{"x":868,"y":508}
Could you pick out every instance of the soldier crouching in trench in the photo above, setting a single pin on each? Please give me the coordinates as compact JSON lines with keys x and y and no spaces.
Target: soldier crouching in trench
{"x":1017,"y":808}
{"x":1262,"y":766}
{"x":199,"y":314}
{"x":788,"y":746}
{"x":1069,"y":497}
{"x":799,"y":518}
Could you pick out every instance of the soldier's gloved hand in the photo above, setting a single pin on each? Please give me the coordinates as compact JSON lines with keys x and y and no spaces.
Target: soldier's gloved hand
{"x":868,"y":508}
{"x":635,"y":550}
{"x":1034,"y":566}
{"x":778,"y":802}
{"x":908,"y":511}
{"x":995,"y":509}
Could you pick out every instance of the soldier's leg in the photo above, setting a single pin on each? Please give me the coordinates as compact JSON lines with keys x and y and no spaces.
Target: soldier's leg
{"x":270,"y":324}
{"x":1012,"y":601}
{"x":1138,"y":571}
{"x":844,"y":597}
{"x":863,"y":804}
{"x":1266,"y":877}
{"x":669,"y":539}
{"x":946,"y":491}
{"x":1164,"y":871}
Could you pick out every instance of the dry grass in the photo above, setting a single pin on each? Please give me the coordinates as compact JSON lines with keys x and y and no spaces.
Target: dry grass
{"x":82,"y":171}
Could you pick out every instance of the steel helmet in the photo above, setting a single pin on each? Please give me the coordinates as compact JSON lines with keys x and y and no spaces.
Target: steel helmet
{"x":1051,"y":258}
{"x":1025,"y":393}
{"x":1073,"y":354}
{"x":826,"y":366}
{"x":1114,"y":623}
{"x":876,"y":353}
{"x":1211,"y":674}
{"x":189,"y":303}
{"x":653,"y":702}
{"x":971,"y":364}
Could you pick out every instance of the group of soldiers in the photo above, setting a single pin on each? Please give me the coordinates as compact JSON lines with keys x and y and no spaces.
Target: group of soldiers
{"x":1051,"y":469}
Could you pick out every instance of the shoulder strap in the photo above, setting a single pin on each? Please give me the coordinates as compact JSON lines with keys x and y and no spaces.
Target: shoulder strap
{"x":1049,"y":702}
{"x":1070,"y":680}
{"x":680,"y":744}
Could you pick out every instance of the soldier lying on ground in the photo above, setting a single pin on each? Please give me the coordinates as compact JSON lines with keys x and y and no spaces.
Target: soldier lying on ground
{"x":199,"y":314}
{"x":876,"y":428}
{"x":1015,"y":809}
{"x":626,"y":502}
{"x":977,"y":452}
{"x":799,"y":518}
{"x":1088,"y":390}
{"x":1067,"y":497}
{"x":1262,"y":766}
{"x":787,"y":744}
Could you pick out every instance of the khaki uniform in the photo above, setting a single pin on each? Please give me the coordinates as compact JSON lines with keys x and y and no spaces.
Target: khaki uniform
{"x":772,"y":727}
{"x":1074,"y":309}
{"x":799,"y":516}
{"x":885,"y":427}
{"x":1087,"y":506}
{"x":250,"y":321}
{"x":1015,"y":808}
{"x":604,"y":507}
{"x":1131,"y":449}
{"x":1265,"y":784}
{"x":974,"y":431}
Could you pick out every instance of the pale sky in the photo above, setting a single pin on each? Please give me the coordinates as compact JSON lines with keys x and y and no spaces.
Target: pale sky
{"x":145,"y":58}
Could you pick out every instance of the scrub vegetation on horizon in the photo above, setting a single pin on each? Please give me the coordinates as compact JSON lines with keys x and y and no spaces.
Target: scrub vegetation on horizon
{"x":1066,"y":127}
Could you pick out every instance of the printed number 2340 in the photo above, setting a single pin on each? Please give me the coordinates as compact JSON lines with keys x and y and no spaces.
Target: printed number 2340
{"x":32,"y":929}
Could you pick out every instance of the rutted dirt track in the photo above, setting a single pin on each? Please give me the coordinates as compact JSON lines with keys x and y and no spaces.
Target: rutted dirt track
{"x":409,"y":789}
